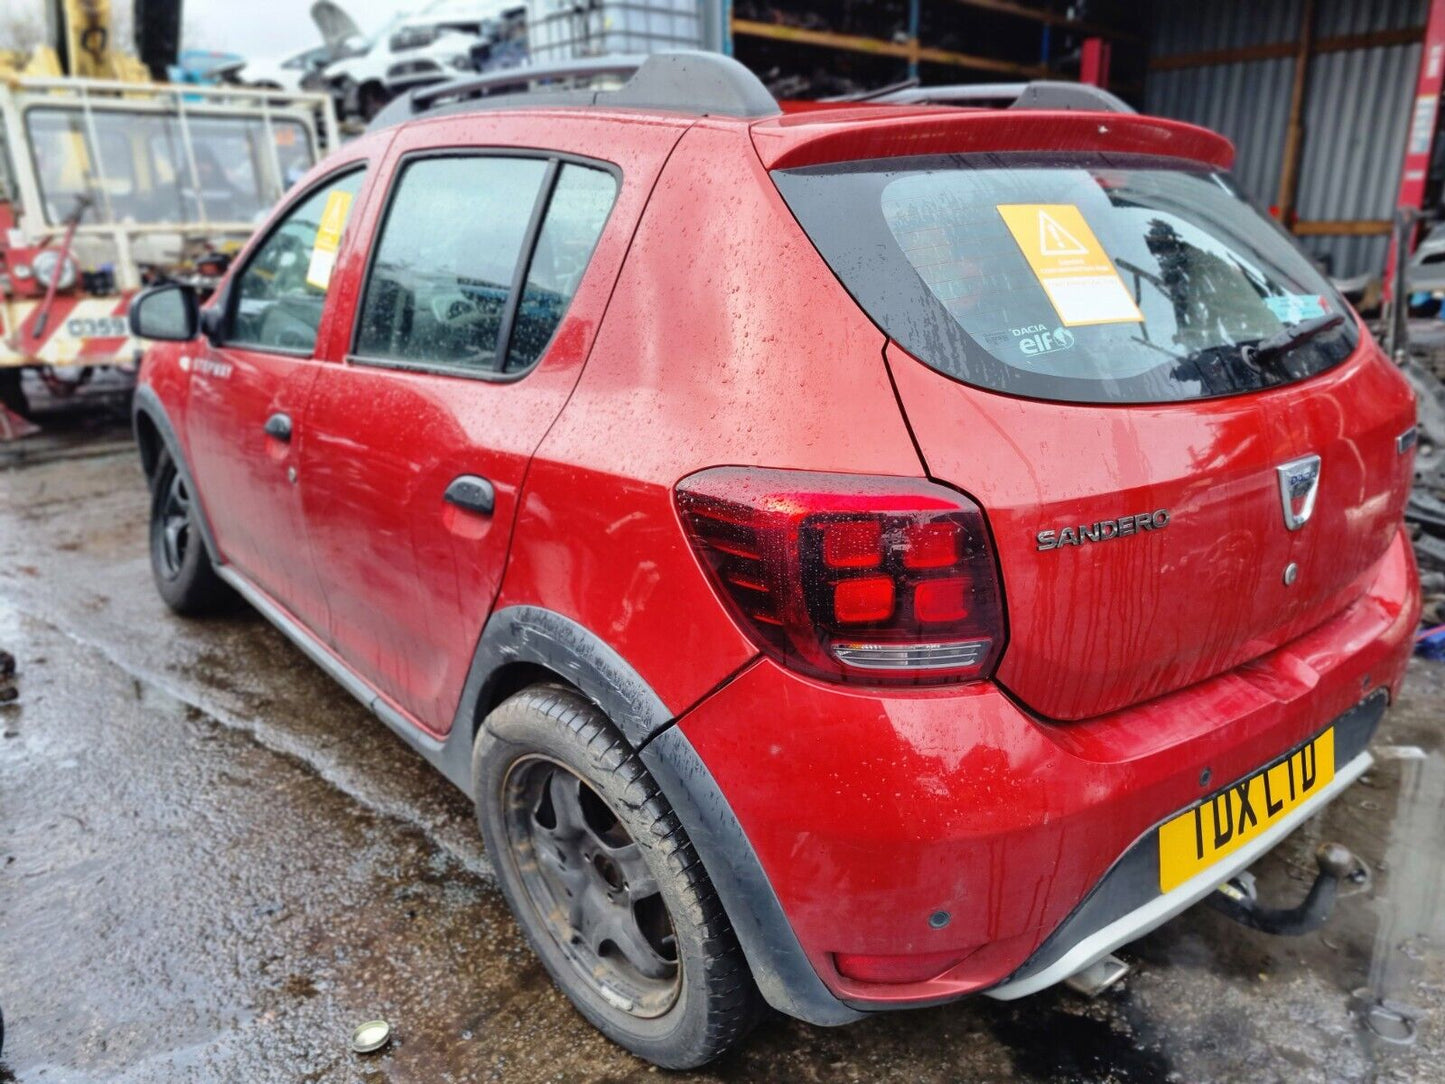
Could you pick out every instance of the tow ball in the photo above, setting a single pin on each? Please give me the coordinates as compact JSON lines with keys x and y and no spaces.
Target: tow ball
{"x":1237,"y":898}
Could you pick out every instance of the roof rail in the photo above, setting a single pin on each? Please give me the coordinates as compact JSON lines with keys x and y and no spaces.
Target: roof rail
{"x":876,"y":93}
{"x":684,"y":81}
{"x":1040,"y":94}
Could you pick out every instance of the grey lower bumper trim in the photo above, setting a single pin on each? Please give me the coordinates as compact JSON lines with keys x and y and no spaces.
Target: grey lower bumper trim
{"x":1161,"y":909}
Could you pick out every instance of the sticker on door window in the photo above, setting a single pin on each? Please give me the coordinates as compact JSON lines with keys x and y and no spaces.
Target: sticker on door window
{"x":328,"y":240}
{"x":1070,"y":264}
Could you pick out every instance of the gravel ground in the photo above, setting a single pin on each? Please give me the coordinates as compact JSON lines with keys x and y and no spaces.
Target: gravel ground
{"x":214,"y":864}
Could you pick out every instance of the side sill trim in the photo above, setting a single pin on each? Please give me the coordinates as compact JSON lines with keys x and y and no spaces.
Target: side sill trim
{"x":782,"y":971}
{"x":440,"y":754}
{"x":1161,"y":909}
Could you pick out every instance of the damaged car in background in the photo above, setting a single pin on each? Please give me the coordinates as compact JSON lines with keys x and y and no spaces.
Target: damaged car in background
{"x":443,"y":39}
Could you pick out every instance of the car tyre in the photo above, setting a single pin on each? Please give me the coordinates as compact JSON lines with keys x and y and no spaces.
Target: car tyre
{"x":583,"y":841}
{"x":184,"y":575}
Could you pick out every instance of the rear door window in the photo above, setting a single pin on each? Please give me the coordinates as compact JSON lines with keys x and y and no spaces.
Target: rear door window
{"x":1084,"y":278}
{"x":576,"y":214}
{"x":477,"y":261}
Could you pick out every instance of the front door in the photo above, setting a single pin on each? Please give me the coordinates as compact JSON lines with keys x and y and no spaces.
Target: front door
{"x":248,"y":394}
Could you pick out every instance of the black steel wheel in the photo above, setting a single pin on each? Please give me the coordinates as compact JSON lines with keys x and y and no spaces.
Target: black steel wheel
{"x":587,"y":882}
{"x":605,"y":883}
{"x":184,"y":575}
{"x":176,"y":533}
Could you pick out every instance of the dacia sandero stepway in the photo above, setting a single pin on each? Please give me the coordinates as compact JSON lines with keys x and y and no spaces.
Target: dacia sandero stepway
{"x":855,"y":556}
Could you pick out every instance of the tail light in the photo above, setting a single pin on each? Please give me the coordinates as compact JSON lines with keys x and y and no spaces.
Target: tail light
{"x":851,"y":578}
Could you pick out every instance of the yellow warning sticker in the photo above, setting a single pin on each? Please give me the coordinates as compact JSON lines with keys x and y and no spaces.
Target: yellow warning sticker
{"x":328,"y":239}
{"x":1070,"y":264}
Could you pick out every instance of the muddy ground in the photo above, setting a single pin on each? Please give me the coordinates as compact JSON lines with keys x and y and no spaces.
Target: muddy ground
{"x":214,"y":864}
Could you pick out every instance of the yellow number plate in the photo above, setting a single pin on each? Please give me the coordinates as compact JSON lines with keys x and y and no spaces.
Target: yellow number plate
{"x":1195,"y":840}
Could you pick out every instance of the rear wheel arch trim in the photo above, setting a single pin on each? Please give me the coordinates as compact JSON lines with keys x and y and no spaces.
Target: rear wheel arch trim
{"x":148,"y":410}
{"x":544,"y":638}
{"x":552,"y":642}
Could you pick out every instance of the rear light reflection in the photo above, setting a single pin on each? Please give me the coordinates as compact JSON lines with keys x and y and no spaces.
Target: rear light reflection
{"x":939,"y":600}
{"x":851,"y":578}
{"x":863,"y":600}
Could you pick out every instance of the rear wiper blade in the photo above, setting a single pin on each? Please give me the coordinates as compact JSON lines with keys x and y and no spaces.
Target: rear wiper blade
{"x":1292,"y":335}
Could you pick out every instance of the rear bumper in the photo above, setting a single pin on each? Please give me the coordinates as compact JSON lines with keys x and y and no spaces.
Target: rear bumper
{"x":1126,"y":904}
{"x":953,"y":827}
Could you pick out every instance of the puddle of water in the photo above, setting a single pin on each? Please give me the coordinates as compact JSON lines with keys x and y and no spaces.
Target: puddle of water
{"x":1079,"y":1046}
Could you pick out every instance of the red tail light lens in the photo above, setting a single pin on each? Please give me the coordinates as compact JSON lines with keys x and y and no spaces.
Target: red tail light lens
{"x":851,"y":578}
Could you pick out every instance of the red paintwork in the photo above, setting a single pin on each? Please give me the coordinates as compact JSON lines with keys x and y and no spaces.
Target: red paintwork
{"x":254,"y":508}
{"x":381,"y":446}
{"x":883,"y":131}
{"x":1096,"y":627}
{"x":707,"y":332}
{"x":870,"y":811}
{"x":727,"y":381}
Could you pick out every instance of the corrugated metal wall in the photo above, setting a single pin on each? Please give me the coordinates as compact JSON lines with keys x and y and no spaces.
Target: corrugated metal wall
{"x":1357,"y":106}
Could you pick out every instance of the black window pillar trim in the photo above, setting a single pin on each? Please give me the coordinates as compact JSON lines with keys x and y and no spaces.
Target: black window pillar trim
{"x":524,"y":263}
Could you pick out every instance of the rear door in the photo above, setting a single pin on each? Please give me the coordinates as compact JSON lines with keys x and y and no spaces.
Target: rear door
{"x":488,"y":273}
{"x":248,"y":393}
{"x":1144,"y":383}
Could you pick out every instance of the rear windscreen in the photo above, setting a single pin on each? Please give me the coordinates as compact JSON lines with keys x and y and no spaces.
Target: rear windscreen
{"x":1083,"y":278}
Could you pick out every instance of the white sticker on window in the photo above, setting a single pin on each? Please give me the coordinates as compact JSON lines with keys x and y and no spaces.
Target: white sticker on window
{"x":1293,"y":308}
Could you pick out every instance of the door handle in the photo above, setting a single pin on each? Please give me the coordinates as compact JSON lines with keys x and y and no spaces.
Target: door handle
{"x":279,"y":426}
{"x":472,"y":493}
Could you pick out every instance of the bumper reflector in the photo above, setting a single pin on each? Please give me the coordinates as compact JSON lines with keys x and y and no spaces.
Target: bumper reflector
{"x":896,"y":969}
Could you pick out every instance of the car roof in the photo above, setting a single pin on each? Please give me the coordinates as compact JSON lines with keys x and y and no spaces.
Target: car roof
{"x":1037,"y":116}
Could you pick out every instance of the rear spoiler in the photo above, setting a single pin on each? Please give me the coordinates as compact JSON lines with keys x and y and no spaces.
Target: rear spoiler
{"x":1039,"y":94}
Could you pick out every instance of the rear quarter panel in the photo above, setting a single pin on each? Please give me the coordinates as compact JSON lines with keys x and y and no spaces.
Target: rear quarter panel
{"x":727,"y":341}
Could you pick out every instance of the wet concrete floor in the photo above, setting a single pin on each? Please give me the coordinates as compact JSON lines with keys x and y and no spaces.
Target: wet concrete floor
{"x":214,"y":864}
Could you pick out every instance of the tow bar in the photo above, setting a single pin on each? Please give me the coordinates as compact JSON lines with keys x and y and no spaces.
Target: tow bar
{"x":1237,"y":899}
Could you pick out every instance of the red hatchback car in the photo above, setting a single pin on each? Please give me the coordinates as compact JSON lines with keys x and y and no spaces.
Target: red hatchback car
{"x":854,"y":557}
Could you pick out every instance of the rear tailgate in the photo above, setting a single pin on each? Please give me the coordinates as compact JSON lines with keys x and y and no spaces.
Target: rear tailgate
{"x":1114,"y":355}
{"x":1095,"y":626}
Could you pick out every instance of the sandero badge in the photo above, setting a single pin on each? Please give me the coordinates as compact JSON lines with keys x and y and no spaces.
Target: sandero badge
{"x":1104,"y":530}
